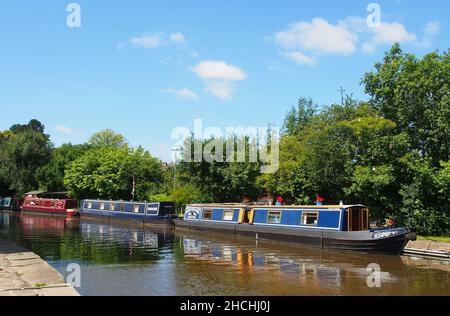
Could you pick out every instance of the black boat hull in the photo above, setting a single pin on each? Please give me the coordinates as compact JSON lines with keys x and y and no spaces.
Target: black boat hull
{"x":378,"y":241}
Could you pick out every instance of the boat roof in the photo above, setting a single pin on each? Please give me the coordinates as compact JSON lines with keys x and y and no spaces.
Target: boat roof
{"x":124,"y":201}
{"x":278,"y":206}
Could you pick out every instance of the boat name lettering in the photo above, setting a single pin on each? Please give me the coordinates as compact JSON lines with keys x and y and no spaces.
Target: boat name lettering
{"x":379,"y":235}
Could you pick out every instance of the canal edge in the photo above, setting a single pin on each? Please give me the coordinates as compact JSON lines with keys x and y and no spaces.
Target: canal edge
{"x":24,"y":273}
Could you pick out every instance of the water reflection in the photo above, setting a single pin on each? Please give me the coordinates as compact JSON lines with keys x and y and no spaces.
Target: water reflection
{"x":136,"y":260}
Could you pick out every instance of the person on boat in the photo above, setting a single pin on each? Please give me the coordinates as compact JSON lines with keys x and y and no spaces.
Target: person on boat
{"x":319,"y":200}
{"x":280,"y":201}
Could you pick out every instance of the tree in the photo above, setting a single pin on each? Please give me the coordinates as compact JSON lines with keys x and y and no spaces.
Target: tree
{"x":298,"y":117}
{"x":188,"y":194}
{"x":33,"y":125}
{"x":414,"y":93}
{"x":146,"y":171}
{"x":425,"y":202}
{"x":24,"y":149}
{"x":107,"y":173}
{"x":223,"y":180}
{"x":108,"y":138}
{"x":51,"y":176}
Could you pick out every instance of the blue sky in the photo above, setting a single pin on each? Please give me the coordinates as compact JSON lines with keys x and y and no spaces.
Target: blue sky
{"x":143,"y":68}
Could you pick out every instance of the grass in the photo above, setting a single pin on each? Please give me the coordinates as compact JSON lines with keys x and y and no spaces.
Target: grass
{"x":40,"y":284}
{"x":438,"y":239}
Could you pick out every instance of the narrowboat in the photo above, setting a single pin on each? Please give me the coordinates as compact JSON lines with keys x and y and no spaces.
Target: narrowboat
{"x":9,"y":204}
{"x":155,"y":212}
{"x":345,"y":227}
{"x":34,"y":204}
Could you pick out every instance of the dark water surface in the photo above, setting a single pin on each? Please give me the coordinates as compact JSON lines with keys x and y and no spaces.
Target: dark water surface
{"x":118,"y":259}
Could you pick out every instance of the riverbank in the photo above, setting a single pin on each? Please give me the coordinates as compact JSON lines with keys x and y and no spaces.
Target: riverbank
{"x":23,"y":273}
{"x":437,"y":239}
{"x":428,"y":248}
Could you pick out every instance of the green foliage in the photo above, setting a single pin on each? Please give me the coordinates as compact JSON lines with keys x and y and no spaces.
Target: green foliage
{"x":160,"y":197}
{"x":108,"y":138}
{"x":299,"y":116}
{"x":414,"y":94}
{"x":187,"y":194}
{"x":23,"y":150}
{"x":51,"y":176}
{"x":107,"y":173}
{"x":223,"y":180}
{"x":390,"y":153}
{"x":423,"y":206}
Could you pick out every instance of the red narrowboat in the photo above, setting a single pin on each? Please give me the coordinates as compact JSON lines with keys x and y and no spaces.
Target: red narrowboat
{"x":66,"y":207}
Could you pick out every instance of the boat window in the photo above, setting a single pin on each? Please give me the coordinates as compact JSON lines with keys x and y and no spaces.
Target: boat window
{"x":228,"y":215}
{"x":207,"y":214}
{"x":274,"y":218}
{"x":136,"y":208}
{"x":310,"y":219}
{"x":53,"y":203}
{"x":112,"y":207}
{"x":122,"y":207}
{"x":88,"y":205}
{"x":102,"y":206}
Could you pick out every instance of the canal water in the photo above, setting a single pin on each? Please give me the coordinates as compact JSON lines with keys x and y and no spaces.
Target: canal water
{"x":120,"y":259}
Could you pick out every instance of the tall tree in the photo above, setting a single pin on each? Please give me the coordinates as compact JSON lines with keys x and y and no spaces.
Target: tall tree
{"x":108,"y":172}
{"x":222,"y":179}
{"x":414,"y":93}
{"x":51,"y":176}
{"x":299,"y":116}
{"x":25,"y":149}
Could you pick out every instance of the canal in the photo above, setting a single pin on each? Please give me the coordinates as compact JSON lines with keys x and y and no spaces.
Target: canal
{"x":118,"y":259}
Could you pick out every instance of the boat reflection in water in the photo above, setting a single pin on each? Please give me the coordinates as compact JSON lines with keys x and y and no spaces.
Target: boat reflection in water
{"x":287,"y":269}
{"x":108,"y":233}
{"x":50,"y":225}
{"x":158,"y":260}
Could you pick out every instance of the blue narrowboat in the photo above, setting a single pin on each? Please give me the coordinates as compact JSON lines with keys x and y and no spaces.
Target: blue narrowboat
{"x":162,"y":212}
{"x":336,"y":227}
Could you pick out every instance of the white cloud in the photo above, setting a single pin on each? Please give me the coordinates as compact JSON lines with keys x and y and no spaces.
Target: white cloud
{"x":304,"y":42}
{"x":186,"y":94}
{"x":220,"y":89}
{"x":64,"y":129}
{"x":388,"y":33}
{"x":431,"y":30}
{"x":177,"y":38}
{"x":355,"y":24}
{"x":319,"y":37}
{"x":156,"y":40}
{"x":219,"y":70}
{"x":300,"y":58}
{"x":148,"y":41}
{"x":219,"y":77}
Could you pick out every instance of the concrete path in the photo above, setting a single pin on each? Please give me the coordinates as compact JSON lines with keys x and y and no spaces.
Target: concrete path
{"x":428,"y":248}
{"x":23,"y":273}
